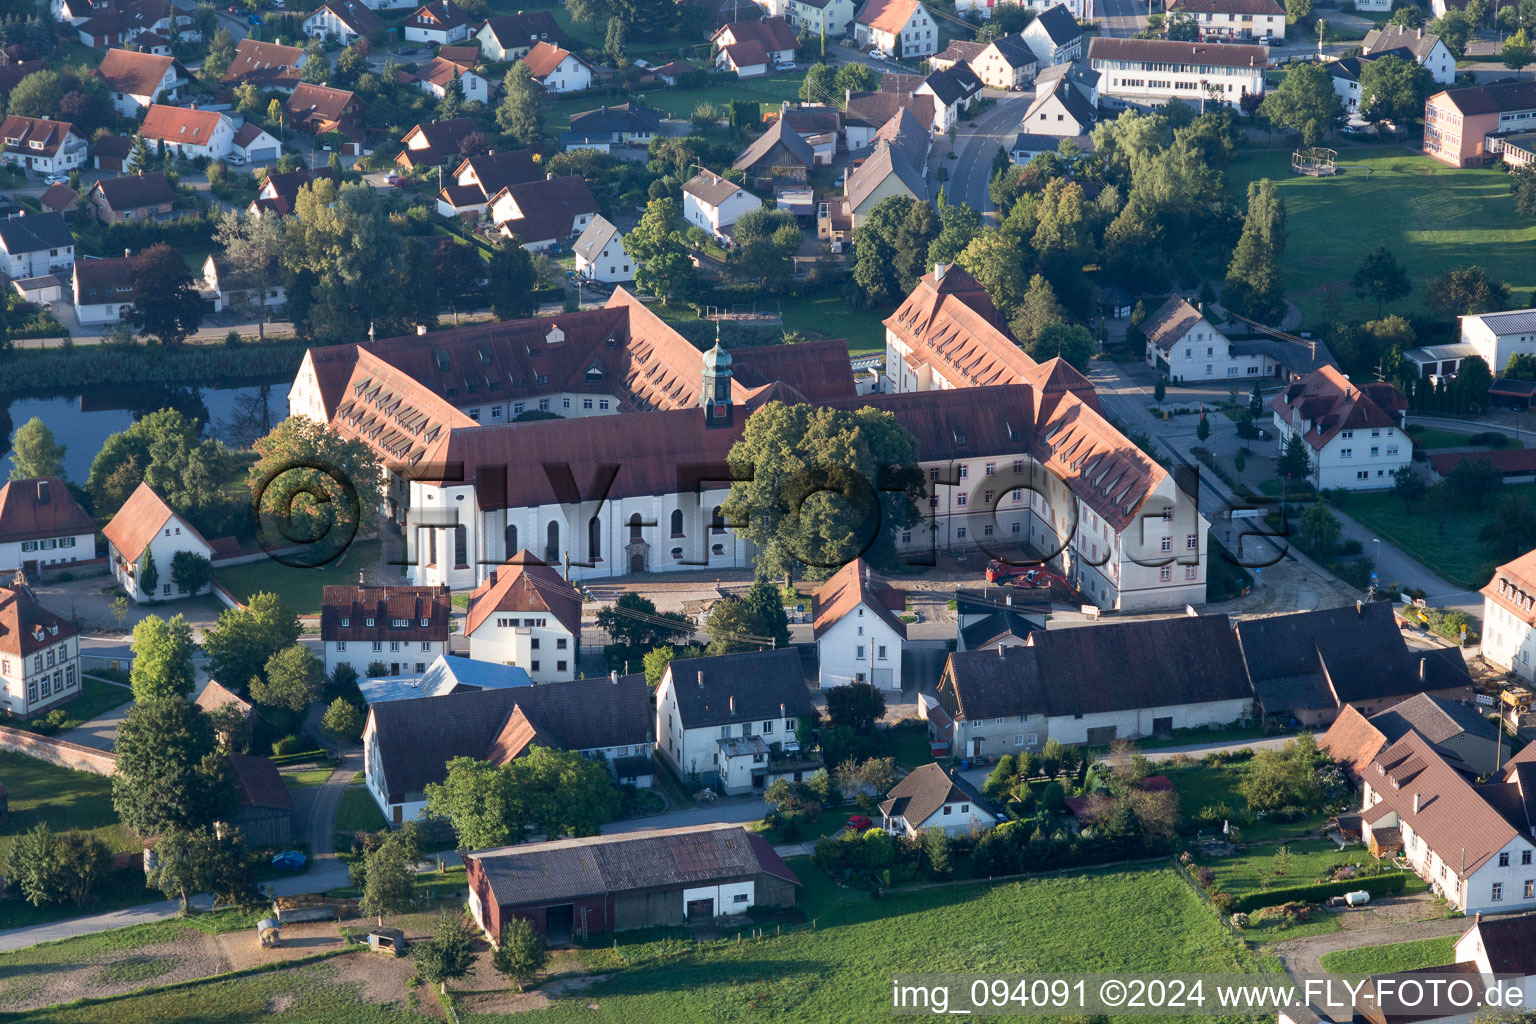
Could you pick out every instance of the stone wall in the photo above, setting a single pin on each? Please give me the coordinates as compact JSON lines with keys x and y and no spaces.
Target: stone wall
{"x":56,"y":751}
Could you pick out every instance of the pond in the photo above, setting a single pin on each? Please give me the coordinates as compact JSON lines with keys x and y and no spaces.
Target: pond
{"x":84,"y":420}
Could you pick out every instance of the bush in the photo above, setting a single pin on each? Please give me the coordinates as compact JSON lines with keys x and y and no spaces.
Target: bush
{"x":1223,"y":901}
{"x":285,"y":745}
{"x":1379,"y":885}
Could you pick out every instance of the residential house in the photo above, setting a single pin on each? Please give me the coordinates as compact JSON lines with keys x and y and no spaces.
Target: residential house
{"x":897,"y":166}
{"x":477,"y":178}
{"x":600,"y":254}
{"x":1308,"y":666}
{"x":318,"y":109}
{"x":545,"y":212}
{"x":752,"y":48}
{"x":1473,"y":843}
{"x":438,"y":75}
{"x":901,"y":28}
{"x":147,"y":196}
{"x":434,"y":143}
{"x":571,"y":889}
{"x":779,"y":154}
{"x":674,"y":72}
{"x":346,"y":21}
{"x":1234,"y":21}
{"x":1124,"y":680}
{"x":714,"y":203}
{"x":733,"y":718}
{"x":1007,"y":62}
{"x":819,"y":125}
{"x":1055,"y":36}
{"x":227,"y":289}
{"x":1459,"y":731}
{"x":1509,"y":617}
{"x":859,"y":636}
{"x":408,"y":743}
{"x":556,"y":69}
{"x":35,"y":245}
{"x":111,"y":153}
{"x":1424,"y":48}
{"x":820,"y":19}
{"x":1076,"y":73}
{"x":39,"y":654}
{"x":627,"y":124}
{"x":948,"y":335}
{"x":214,"y":696}
{"x":405,"y":629}
{"x":1060,"y":110}
{"x":188,"y":132}
{"x":525,"y":614}
{"x":441,"y":21}
{"x":136,"y":80}
{"x":143,"y":540}
{"x":147,"y":25}
{"x":959,"y":51}
{"x":953,"y":91}
{"x":1183,"y":346}
{"x":59,"y":198}
{"x":1147,"y":73}
{"x":988,"y":619}
{"x":254,"y":145}
{"x":466,"y":56}
{"x":1025,"y":147}
{"x":1463,"y":127}
{"x":267,"y":66}
{"x":37,"y":144}
{"x":1345,"y":75}
{"x":103,"y":289}
{"x":933,"y":796}
{"x":280,"y":189}
{"x":42,"y":524}
{"x":1353,"y":443}
{"x":511,"y":36}
{"x":1503,"y":945}
{"x":263,"y":806}
{"x":864,"y":114}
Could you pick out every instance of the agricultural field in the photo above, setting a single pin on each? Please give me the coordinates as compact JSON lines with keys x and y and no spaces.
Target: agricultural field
{"x":1432,"y":217}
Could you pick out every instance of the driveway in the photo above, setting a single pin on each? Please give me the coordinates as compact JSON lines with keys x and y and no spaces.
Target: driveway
{"x":101,"y":731}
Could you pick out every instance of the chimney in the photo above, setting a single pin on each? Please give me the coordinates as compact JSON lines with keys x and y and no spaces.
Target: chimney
{"x":1360,"y":608}
{"x":1000,"y":649}
{"x":549,"y":175}
{"x":421,"y":329}
{"x":1415,"y":803}
{"x":127,"y":253}
{"x":614,"y":676}
{"x":938,"y":272}
{"x":1008,"y":600}
{"x":42,"y":492}
{"x":493,"y":577}
{"x":733,"y":703}
{"x":1421,"y":668}
{"x":781,"y":709}
{"x":701,"y":679}
{"x":359,"y":579}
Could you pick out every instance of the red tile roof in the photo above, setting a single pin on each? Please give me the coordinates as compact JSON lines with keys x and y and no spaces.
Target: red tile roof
{"x":772,"y":33}
{"x":345,"y":612}
{"x":1330,"y":403}
{"x":264,"y":64}
{"x":951,"y":323}
{"x":137,"y":522}
{"x":26,"y":626}
{"x":1513,"y":588}
{"x":847,"y":589}
{"x":1352,"y":740}
{"x":32,"y":509}
{"x":887,"y":15}
{"x":1505,"y":460}
{"x":35,"y":136}
{"x":543,"y":58}
{"x":183,"y":125}
{"x":138,"y":74}
{"x":525,"y":584}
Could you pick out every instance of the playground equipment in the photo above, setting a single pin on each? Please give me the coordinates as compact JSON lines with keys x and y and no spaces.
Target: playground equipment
{"x":1315,"y":162}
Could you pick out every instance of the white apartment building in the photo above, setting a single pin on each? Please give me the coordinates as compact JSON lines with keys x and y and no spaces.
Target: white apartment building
{"x":859,"y":638}
{"x":1354,"y":443}
{"x":1241,"y":21}
{"x":525,"y":614}
{"x":402,"y":629}
{"x":1147,"y":73}
{"x":1185,"y":347}
{"x":1509,"y":617}
{"x":39,"y":654}
{"x":715,"y":203}
{"x":42,"y":524}
{"x":901,"y":28}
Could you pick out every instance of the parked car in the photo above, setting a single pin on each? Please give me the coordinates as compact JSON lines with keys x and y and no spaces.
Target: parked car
{"x":877,"y":54}
{"x":235,"y":160}
{"x":406,"y":51}
{"x":860,"y":823}
{"x":255,"y":20}
{"x":57,"y":179}
{"x":784,"y":65}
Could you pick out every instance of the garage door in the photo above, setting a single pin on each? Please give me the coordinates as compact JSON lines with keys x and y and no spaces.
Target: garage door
{"x":700,"y":910}
{"x":261,"y":155}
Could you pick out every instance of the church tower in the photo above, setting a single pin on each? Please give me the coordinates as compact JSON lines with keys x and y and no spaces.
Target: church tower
{"x":716,"y":394}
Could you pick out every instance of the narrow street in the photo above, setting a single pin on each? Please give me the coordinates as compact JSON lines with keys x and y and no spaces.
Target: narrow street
{"x":976,"y":143}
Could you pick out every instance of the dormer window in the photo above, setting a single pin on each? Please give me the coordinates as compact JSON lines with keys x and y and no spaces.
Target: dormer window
{"x":346,"y":622}
{"x":399,"y":623}
{"x":368,"y":623}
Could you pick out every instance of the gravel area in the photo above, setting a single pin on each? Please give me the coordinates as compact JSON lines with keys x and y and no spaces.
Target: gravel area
{"x":31,"y":986}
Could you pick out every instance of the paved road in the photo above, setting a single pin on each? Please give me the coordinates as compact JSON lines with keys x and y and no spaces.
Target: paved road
{"x":975,"y":145}
{"x":101,"y":731}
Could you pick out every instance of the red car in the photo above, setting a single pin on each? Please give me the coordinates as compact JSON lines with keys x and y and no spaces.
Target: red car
{"x":859,"y":823}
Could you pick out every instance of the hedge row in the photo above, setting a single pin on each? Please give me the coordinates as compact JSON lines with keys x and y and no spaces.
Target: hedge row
{"x":1376,"y":885}
{"x":38,"y":370}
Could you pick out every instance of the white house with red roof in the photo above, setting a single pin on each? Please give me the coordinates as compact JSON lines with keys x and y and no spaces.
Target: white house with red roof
{"x":557,"y":69}
{"x":526,"y":614}
{"x":1353,"y":442}
{"x":136,"y":80}
{"x":147,"y":532}
{"x":405,"y":629}
{"x":1509,"y":617}
{"x":39,"y":654}
{"x":858,"y":633}
{"x":41,"y":523}
{"x":252,"y":144}
{"x":189,"y":132}
{"x":441,"y":21}
{"x":902,"y":28}
{"x":752,"y":48}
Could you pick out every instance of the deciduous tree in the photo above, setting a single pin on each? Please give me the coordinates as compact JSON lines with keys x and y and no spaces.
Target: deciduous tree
{"x":35,"y":452}
{"x":1253,"y":286}
{"x":315,"y":488}
{"x":162,"y":659}
{"x":241,"y":642}
{"x":1305,"y":103}
{"x":1394,"y":89}
{"x":165,"y":305}
{"x":521,"y":953}
{"x":169,"y":772}
{"x":449,"y":953}
{"x":342,"y":722}
{"x":1381,"y":276}
{"x":1463,"y":290}
{"x":291,"y":680}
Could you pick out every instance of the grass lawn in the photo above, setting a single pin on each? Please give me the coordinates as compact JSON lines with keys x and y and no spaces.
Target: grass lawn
{"x":95,"y":698}
{"x":1202,"y":785}
{"x":839,"y":971}
{"x":1430,"y":216}
{"x":300,"y":588}
{"x":828,"y":316}
{"x":1278,"y":930}
{"x":909,"y":746}
{"x":1442,"y":535}
{"x":65,"y":799}
{"x":1397,"y":956}
{"x":827,"y":823}
{"x":358,"y":812}
{"x":1431,"y":437}
{"x":312,"y":777}
{"x":1310,"y":861}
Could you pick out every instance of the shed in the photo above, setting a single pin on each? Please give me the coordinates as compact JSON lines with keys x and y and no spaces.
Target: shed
{"x":387,"y":940}
{"x":43,"y":289}
{"x":263,"y":805}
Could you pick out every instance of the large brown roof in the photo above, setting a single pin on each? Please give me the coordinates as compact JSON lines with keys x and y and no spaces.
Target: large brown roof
{"x":26,"y":626}
{"x":1327,"y":399}
{"x":346,"y":610}
{"x":134,"y":191}
{"x":525,"y":584}
{"x":1510,"y":942}
{"x":264,"y":64}
{"x":138,"y":74}
{"x":928,"y":788}
{"x":1230,"y":55}
{"x":1262,"y":7}
{"x":887,"y":15}
{"x":1489,"y":99}
{"x":1170,"y":322}
{"x":140,"y":518}
{"x":31,"y":509}
{"x":1353,"y":741}
{"x":183,"y":125}
{"x":34,"y":135}
{"x":543,"y":58}
{"x":549,"y":206}
{"x":257,"y":783}
{"x":310,"y":101}
{"x":847,"y":589}
{"x":951,"y":323}
{"x":773,"y":33}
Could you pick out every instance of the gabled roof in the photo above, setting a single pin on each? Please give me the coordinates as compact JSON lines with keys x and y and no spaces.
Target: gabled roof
{"x":746,"y":687}
{"x":887,"y":15}
{"x":780,"y":143}
{"x":1513,"y":588}
{"x":746,"y":54}
{"x":104,"y":280}
{"x":34,"y":232}
{"x":355,"y":15}
{"x":1229,"y":55}
{"x":601,"y":865}
{"x":877,"y":108}
{"x":346,"y":610}
{"x":26,"y":626}
{"x":185,"y":126}
{"x":258,"y":783}
{"x":280,"y":190}
{"x":960,"y":50}
{"x":442,"y":140}
{"x":549,"y":206}
{"x":32,"y":509}
{"x":525,"y":584}
{"x":1014,"y":51}
{"x":36,"y":136}
{"x":1069,"y":96}
{"x":1416,"y":41}
{"x":441,"y":72}
{"x":136,"y":191}
{"x":543,"y":58}
{"x":141,"y":517}
{"x":1078,"y":72}
{"x":1509,"y":940}
{"x":418,"y":737}
{"x":851,"y":587}
{"x":949,"y":321}
{"x":1327,"y":401}
{"x":885,"y":161}
{"x":441,"y":14}
{"x":58,"y":198}
{"x":710,"y":188}
{"x":598,"y":233}
{"x":1514,"y":321}
{"x":137,"y":74}
{"x":497,"y":171}
{"x":1266,"y":8}
{"x":773,"y":33}
{"x":1170,"y":322}
{"x":264,"y":64}
{"x":925,"y":791}
{"x":1005,"y":624}
{"x":319,"y":101}
{"x":215,"y":695}
{"x":953,"y":84}
{"x":624,"y":117}
{"x":515,"y":31}
{"x":1490,"y":99}
{"x":1058,"y":24}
